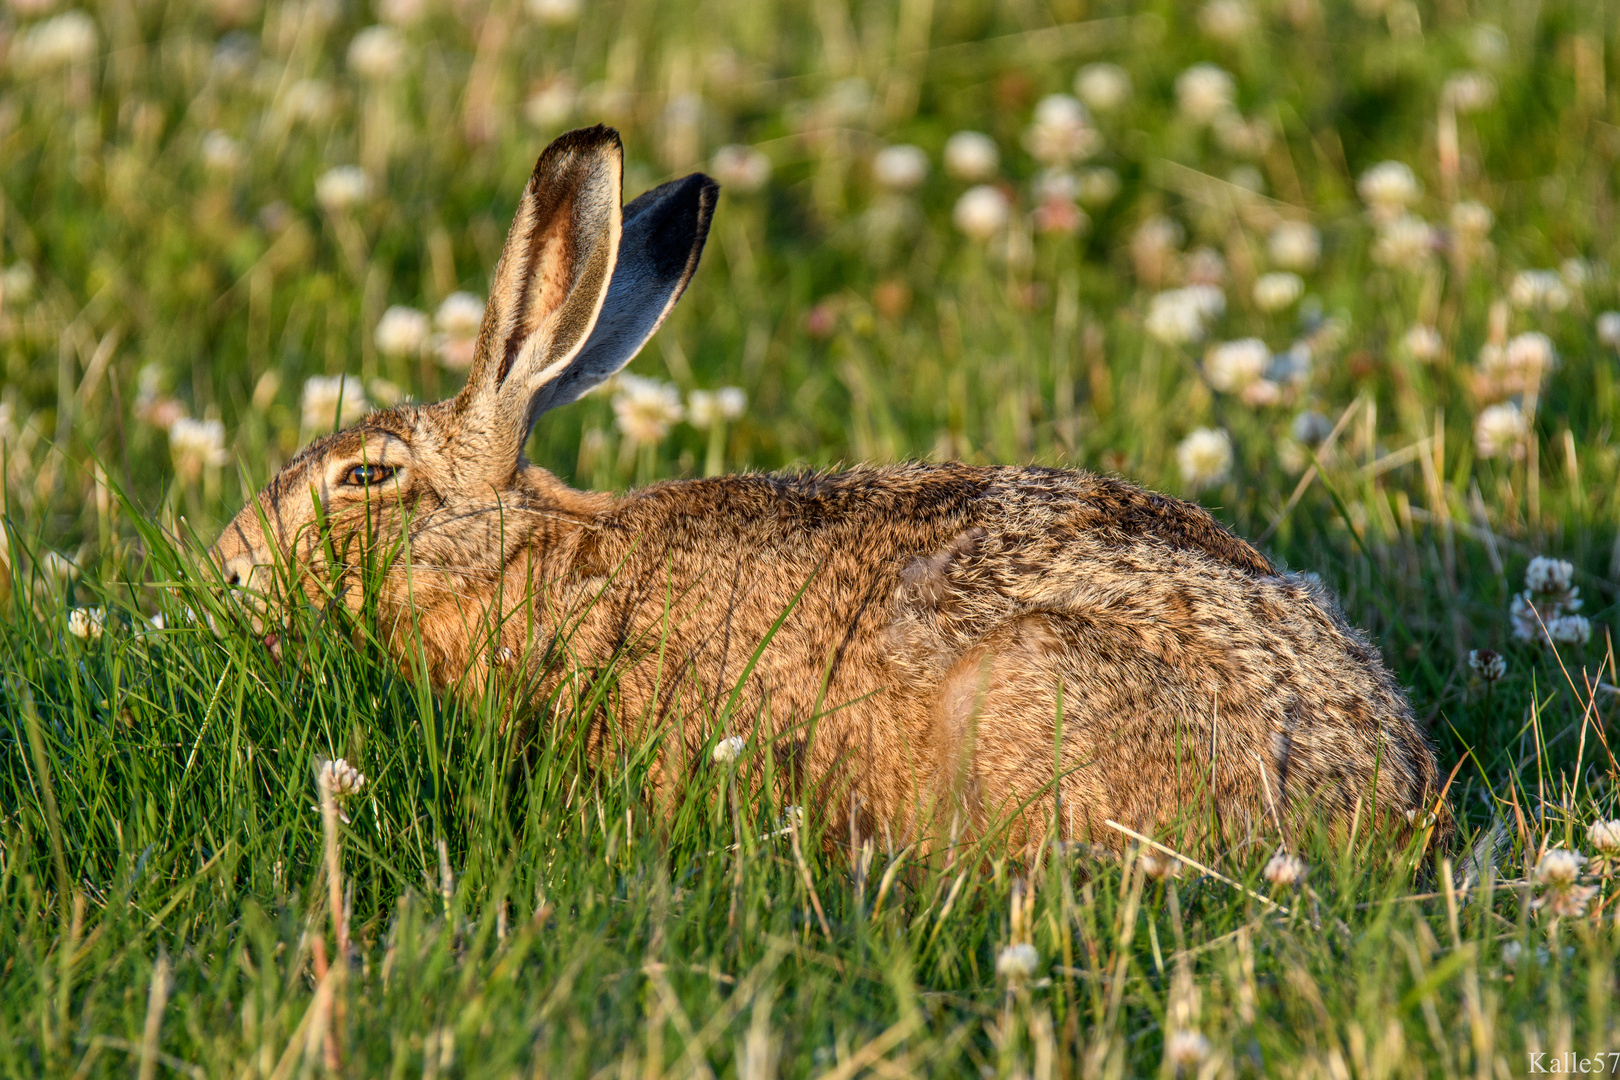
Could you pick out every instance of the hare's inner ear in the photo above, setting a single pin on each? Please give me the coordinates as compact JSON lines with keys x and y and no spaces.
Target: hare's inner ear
{"x":548,"y":291}
{"x":664,"y":230}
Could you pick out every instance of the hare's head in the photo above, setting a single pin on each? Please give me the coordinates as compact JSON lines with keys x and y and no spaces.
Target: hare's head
{"x":443,"y":490}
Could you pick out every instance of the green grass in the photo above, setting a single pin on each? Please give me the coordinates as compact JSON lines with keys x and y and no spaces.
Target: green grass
{"x":516,"y":907}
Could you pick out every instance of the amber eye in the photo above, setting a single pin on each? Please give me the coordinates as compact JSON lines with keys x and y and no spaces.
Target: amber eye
{"x":366,"y":475}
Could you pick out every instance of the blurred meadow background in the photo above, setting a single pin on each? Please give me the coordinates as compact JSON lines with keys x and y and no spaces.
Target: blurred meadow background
{"x":1343,"y":270}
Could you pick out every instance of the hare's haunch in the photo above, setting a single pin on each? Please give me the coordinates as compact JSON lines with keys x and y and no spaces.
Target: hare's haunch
{"x":934,"y":648}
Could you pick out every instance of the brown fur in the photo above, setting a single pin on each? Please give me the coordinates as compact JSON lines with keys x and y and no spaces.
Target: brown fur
{"x":956,"y":638}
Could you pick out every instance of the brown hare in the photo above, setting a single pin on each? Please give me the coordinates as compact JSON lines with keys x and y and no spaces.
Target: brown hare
{"x":961,"y":646}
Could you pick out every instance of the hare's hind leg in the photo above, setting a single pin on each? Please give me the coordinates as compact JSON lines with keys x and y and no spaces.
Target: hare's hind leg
{"x":1054,"y":724}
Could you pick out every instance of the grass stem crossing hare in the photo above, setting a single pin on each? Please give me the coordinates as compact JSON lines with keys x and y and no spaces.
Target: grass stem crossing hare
{"x":946,"y":647}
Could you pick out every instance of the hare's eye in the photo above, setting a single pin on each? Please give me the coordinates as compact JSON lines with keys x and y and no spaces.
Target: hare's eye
{"x":366,"y":475}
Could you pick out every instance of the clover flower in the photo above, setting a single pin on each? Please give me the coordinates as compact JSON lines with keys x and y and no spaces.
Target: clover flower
{"x":1488,"y":664}
{"x":87,"y":623}
{"x":644,"y":409}
{"x":1097,"y":187}
{"x":377,"y":53}
{"x":458,"y":320}
{"x":220,"y":153}
{"x":1232,"y":365}
{"x":1539,"y":289}
{"x":59,"y":42}
{"x":1186,"y":1049}
{"x":342,"y":780}
{"x":741,"y":168}
{"x":1181,"y":316}
{"x":1608,"y":329}
{"x":1405,"y":242}
{"x":1549,"y":601}
{"x":1277,"y":290}
{"x":554,"y":12}
{"x":1061,"y":131}
{"x":1204,"y":91}
{"x":1158,"y":867}
{"x":981,"y":212}
{"x":1205,"y":458}
{"x":1472,"y":220}
{"x":402,"y":331}
{"x":1388,"y":188}
{"x":196,"y":444}
{"x":704,"y":408}
{"x":1605,"y":838}
{"x":1226,"y":20}
{"x":900,"y":168}
{"x":1285,"y":870}
{"x":1423,"y":342}
{"x":1103,"y":87}
{"x":1294,"y":245}
{"x":332,"y":401}
{"x":1500,"y":429}
{"x":971,"y":155}
{"x":1017,"y":962}
{"x":342,"y":189}
{"x":729,"y":749}
{"x":1558,"y":875}
{"x":1469,"y":91}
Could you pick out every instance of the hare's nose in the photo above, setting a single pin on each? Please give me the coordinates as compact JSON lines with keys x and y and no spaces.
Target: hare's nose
{"x":238,"y":570}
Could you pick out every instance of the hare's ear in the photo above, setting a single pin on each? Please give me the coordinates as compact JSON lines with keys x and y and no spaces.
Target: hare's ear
{"x":548,"y":291}
{"x":664,"y":230}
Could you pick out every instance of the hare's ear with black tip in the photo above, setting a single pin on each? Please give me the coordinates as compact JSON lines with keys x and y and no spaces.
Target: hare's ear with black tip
{"x":548,"y":291}
{"x":664,"y":231}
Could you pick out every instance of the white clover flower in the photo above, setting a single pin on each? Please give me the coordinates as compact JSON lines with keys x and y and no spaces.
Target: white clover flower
{"x":87,"y":623}
{"x":308,"y":100}
{"x":402,"y":12}
{"x":741,"y":168}
{"x":701,"y":411}
{"x":551,"y":104}
{"x":1181,"y":316}
{"x":1103,"y":87}
{"x":1487,"y":45}
{"x":1226,"y":20}
{"x":1157,"y":866}
{"x":1205,"y":91}
{"x":1097,"y":187}
{"x":1488,"y":664}
{"x":1186,"y":1049}
{"x":1277,"y":290}
{"x":332,"y":401}
{"x":220,"y":153}
{"x":554,"y":12}
{"x":1469,"y":91}
{"x":1016,"y":963}
{"x":729,"y":749}
{"x":1539,"y":289}
{"x":971,"y":155}
{"x":1205,"y":458}
{"x":402,"y":331}
{"x":1404,"y":243}
{"x":1608,"y":329}
{"x":1605,"y":836}
{"x":1576,"y":272}
{"x":1153,"y":248}
{"x":1055,"y":185}
{"x":1472,"y":220}
{"x":385,"y":393}
{"x":900,"y":168}
{"x":731,"y":402}
{"x":1547,"y":576}
{"x":1294,"y":245}
{"x":62,"y":41}
{"x":342,"y":188}
{"x":1559,"y":866}
{"x":1529,"y":354}
{"x":1061,"y":131}
{"x":1500,"y":429}
{"x":16,"y":284}
{"x":377,"y":53}
{"x":1232,"y":365}
{"x":1423,"y":342}
{"x":458,"y":319}
{"x":1285,"y":869}
{"x":1569,"y":629}
{"x":644,"y":409}
{"x":1389,"y":187}
{"x":981,"y":212}
{"x":341,"y":778}
{"x":1558,"y":874}
{"x":195,"y":444}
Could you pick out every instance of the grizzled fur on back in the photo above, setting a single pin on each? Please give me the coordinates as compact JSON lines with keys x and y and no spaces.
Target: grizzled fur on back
{"x":945,"y":648}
